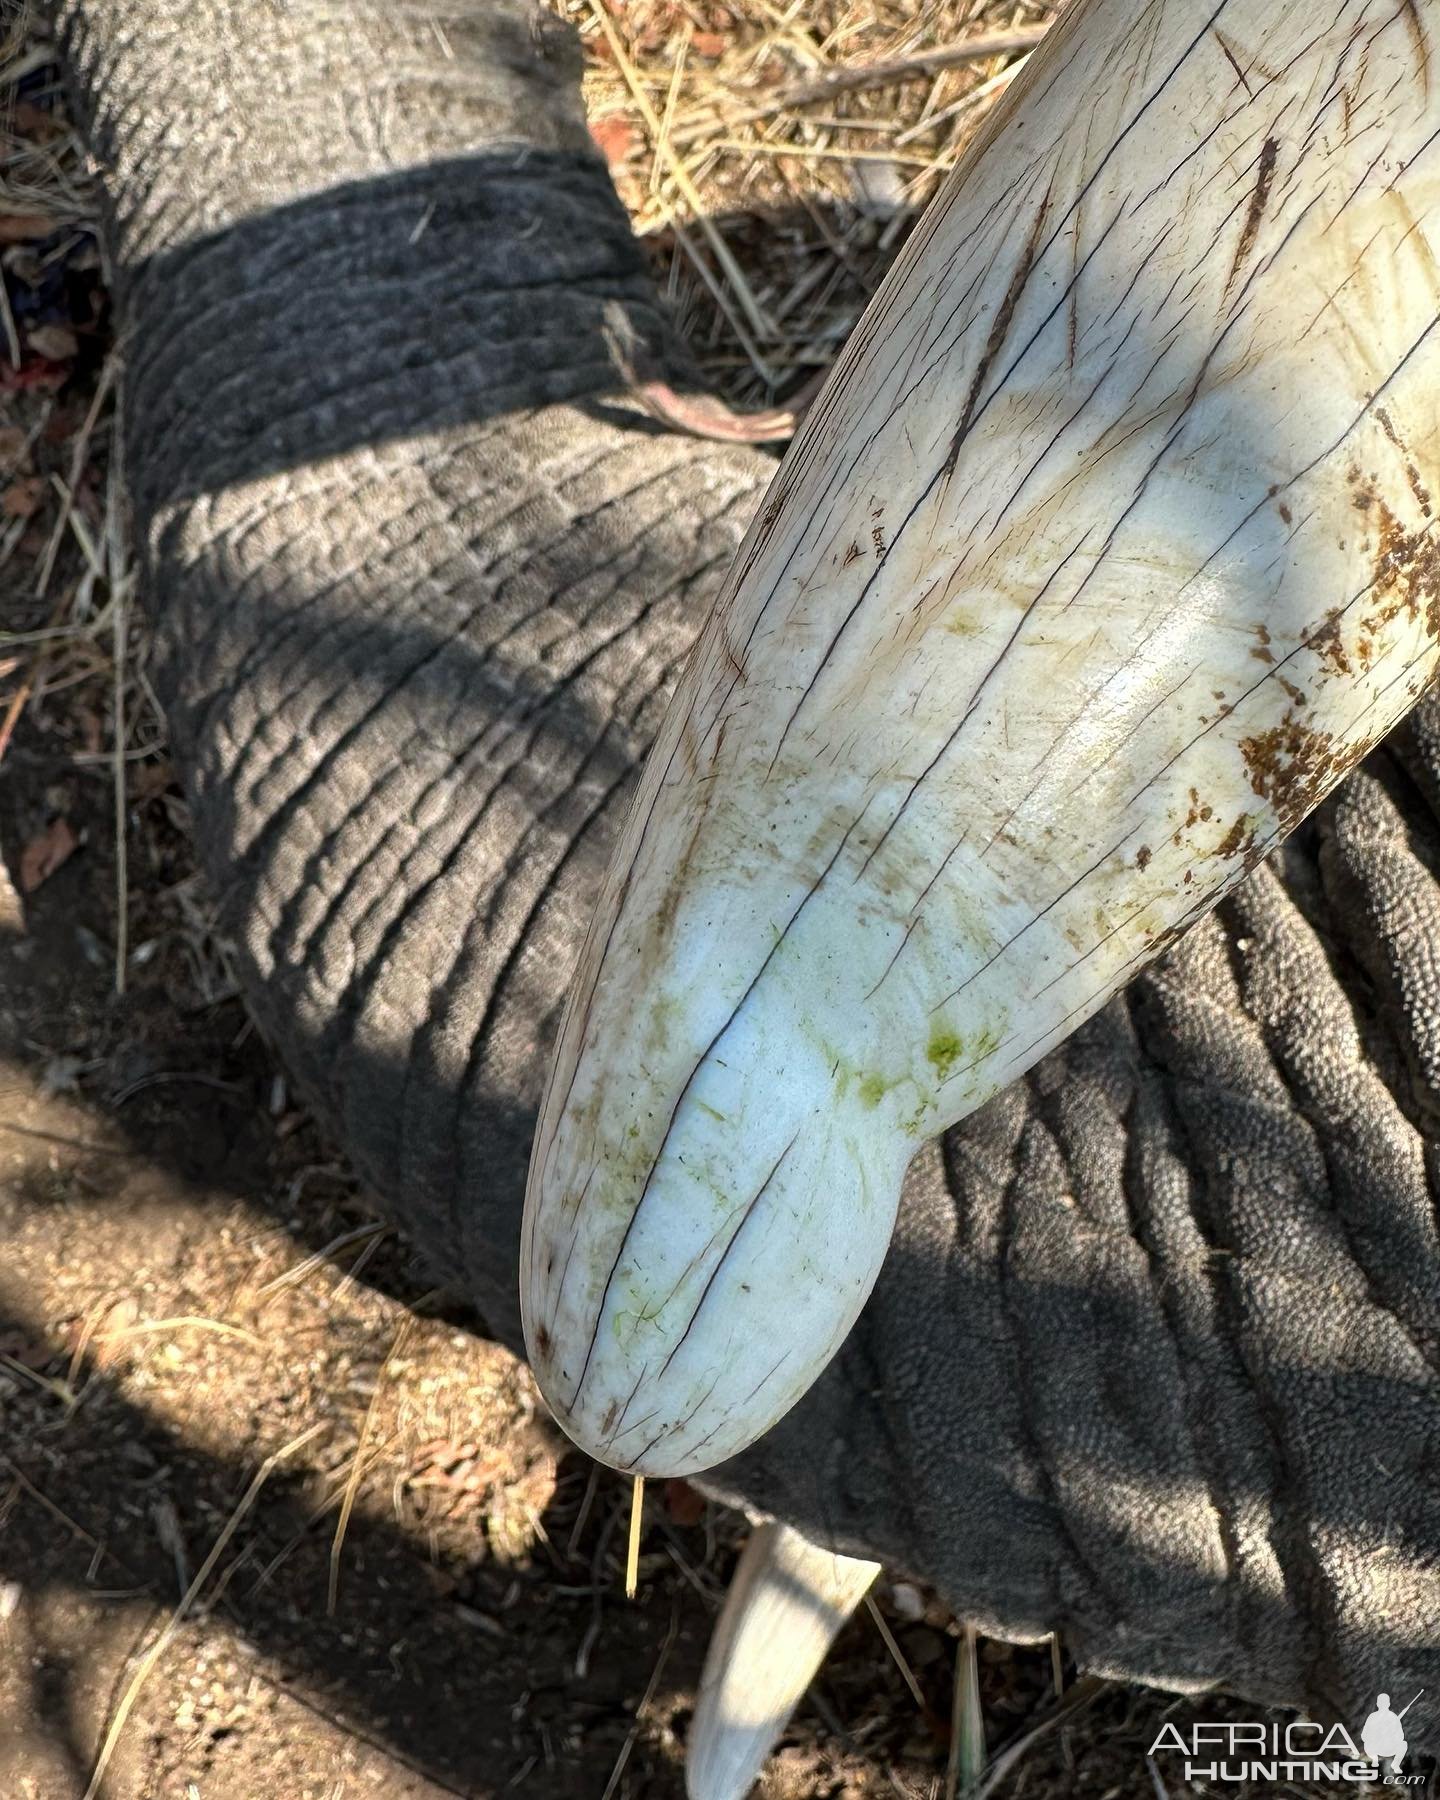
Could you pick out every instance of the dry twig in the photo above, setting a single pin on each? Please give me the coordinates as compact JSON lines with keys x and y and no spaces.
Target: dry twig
{"x":850,"y":78}
{"x":358,"y":1467}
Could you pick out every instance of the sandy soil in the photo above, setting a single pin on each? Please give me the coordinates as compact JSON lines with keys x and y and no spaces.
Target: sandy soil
{"x":425,"y":1594}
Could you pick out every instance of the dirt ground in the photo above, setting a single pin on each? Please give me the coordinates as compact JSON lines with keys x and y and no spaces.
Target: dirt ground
{"x":274,"y":1517}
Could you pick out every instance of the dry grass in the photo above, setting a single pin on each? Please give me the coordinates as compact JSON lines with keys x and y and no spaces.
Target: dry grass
{"x":66,"y":653}
{"x":42,"y":166}
{"x":774,"y":154}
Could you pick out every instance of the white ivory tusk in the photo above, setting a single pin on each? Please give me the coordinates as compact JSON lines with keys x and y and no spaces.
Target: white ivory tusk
{"x":787,"y":1602}
{"x":1108,"y":548}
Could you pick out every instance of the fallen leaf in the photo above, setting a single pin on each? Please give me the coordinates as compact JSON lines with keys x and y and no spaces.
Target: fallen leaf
{"x":20,"y":228}
{"x":14,"y":448}
{"x":22,"y":499}
{"x":44,"y":854}
{"x":37,"y":376}
{"x":35,"y":122}
{"x":56,"y":343}
{"x":684,"y":1505}
{"x":614,"y":138}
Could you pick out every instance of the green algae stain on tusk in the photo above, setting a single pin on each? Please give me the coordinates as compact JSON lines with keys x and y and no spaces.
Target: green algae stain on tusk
{"x":1135,"y":450}
{"x":944,"y":1051}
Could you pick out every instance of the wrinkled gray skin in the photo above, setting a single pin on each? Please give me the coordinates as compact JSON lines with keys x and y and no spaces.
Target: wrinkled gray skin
{"x":1154,"y":1357}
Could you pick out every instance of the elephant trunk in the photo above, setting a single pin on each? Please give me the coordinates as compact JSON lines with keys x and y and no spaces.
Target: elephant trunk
{"x":422,"y":577}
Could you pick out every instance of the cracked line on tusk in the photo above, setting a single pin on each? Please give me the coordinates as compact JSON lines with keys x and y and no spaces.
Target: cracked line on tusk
{"x":1106,"y":551}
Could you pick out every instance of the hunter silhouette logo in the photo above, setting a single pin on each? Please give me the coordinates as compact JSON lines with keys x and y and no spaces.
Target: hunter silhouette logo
{"x":1382,"y":1734}
{"x":1227,"y":1750}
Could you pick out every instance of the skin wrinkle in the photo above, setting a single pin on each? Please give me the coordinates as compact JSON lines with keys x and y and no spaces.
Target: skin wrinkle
{"x":1134,"y":1190}
{"x":1080,"y":1137}
{"x":1239,"y":1550}
{"x":892,"y":1452}
{"x":961,"y":1169}
{"x":462,"y":826}
{"x":384,"y":485}
{"x":1064,"y":1603}
{"x":1291,"y":1539}
{"x":296,"y":701}
{"x":218,"y":309}
{"x":575,"y":306}
{"x":1320,"y":1122}
{"x":1286,"y":1489}
{"x":1288,"y":1054}
{"x":296,"y":622}
{"x":374,"y":390}
{"x":356,"y":730}
{"x":501,"y":399}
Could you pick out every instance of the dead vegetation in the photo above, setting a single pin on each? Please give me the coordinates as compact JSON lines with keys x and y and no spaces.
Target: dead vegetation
{"x":774,"y":156}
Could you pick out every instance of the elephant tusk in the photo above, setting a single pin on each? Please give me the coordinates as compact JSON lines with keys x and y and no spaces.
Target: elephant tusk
{"x":1106,"y":551}
{"x":787,"y":1603}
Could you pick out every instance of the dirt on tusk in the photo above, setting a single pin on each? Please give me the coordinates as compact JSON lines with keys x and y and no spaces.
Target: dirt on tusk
{"x":1107,"y":549}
